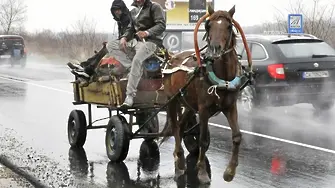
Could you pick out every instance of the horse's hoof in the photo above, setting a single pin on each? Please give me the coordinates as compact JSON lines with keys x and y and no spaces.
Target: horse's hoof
{"x":181,"y":180}
{"x":204,"y":179}
{"x":178,"y":174}
{"x":229,"y":174}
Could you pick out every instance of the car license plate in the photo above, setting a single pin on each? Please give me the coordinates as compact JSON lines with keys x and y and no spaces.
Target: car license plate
{"x":316,"y":74}
{"x":17,"y":53}
{"x":5,"y":56}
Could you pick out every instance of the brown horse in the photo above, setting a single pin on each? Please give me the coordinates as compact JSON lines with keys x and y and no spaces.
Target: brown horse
{"x":202,"y":96}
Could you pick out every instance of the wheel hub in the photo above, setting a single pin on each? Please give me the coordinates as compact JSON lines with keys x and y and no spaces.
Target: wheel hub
{"x":247,"y":99}
{"x":73,"y":129}
{"x":112,"y":139}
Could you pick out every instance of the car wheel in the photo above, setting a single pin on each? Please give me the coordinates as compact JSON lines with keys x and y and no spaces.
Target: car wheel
{"x":23,"y":62}
{"x":247,"y":99}
{"x":12,"y":62}
{"x":323,"y":106}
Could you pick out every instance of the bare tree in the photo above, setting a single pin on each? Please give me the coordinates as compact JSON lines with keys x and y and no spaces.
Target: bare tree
{"x":81,"y":39}
{"x":12,"y":15}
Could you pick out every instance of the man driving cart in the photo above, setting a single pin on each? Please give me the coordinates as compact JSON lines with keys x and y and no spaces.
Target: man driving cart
{"x":123,"y":17}
{"x":149,"y":26}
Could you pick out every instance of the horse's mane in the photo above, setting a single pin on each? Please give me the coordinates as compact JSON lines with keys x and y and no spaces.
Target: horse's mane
{"x":224,"y":14}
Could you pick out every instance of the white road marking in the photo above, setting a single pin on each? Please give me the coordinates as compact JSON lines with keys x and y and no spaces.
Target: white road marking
{"x":29,"y":82}
{"x":274,"y":138}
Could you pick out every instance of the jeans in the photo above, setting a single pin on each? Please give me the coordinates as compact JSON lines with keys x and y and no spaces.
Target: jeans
{"x":123,"y":57}
{"x":143,"y":50}
{"x":132,"y":58}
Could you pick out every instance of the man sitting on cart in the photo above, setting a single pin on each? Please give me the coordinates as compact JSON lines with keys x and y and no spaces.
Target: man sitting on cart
{"x":123,"y":17}
{"x":149,"y":26}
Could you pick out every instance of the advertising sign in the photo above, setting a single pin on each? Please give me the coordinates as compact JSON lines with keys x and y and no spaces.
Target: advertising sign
{"x":197,"y":9}
{"x":183,"y":14}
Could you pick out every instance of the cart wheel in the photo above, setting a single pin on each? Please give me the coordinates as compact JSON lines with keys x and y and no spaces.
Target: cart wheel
{"x":192,"y":171}
{"x":151,"y":127}
{"x":192,"y":141}
{"x":76,"y":128}
{"x":116,"y":140}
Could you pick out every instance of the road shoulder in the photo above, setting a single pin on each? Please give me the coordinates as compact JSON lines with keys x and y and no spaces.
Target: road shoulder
{"x":9,"y":179}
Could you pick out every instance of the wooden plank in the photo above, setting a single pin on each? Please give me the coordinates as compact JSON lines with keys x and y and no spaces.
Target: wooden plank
{"x":98,"y":93}
{"x":107,"y":93}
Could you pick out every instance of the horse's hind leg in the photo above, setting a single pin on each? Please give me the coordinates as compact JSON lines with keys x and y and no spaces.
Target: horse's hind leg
{"x":231,"y":115}
{"x":201,"y":164}
{"x":178,"y":153}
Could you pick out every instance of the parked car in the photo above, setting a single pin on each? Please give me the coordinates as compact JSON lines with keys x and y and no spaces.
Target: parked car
{"x":13,"y":50}
{"x":289,"y":69}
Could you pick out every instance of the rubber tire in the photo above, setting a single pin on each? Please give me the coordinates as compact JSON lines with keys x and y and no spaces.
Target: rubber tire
{"x":79,"y":139}
{"x":23,"y":62}
{"x":325,"y":106}
{"x":12,"y":63}
{"x":151,"y":127}
{"x":254,"y":101}
{"x":119,"y":151}
{"x":192,"y":142}
{"x":192,"y":170}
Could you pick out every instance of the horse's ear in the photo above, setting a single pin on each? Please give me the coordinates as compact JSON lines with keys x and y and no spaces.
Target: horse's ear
{"x":210,"y":9}
{"x":232,"y":11}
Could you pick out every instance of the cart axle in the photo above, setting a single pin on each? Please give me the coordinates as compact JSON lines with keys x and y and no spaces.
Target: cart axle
{"x":97,"y":127}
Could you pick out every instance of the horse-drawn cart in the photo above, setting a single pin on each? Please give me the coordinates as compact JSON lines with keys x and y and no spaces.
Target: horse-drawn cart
{"x":189,"y":81}
{"x":109,"y":94}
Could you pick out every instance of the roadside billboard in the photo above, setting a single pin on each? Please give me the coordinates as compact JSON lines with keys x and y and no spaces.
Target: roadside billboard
{"x":196,"y":9}
{"x":183,"y":14}
{"x":181,"y":18}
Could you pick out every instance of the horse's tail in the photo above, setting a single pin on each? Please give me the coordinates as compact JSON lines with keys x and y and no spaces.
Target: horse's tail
{"x":166,"y":132}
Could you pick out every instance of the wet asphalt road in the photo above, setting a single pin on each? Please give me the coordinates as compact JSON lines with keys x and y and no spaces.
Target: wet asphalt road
{"x":282,"y":147}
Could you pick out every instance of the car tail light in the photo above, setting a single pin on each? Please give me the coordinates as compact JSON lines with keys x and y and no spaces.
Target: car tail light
{"x":276,"y":71}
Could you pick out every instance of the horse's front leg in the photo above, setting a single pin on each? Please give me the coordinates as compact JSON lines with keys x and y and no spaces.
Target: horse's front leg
{"x":231,"y":114}
{"x":203,"y":139}
{"x":178,"y":154}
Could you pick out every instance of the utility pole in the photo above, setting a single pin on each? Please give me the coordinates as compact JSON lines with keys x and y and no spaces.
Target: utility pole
{"x":315,"y":3}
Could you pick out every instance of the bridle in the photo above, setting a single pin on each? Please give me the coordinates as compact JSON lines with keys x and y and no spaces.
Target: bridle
{"x":227,"y":49}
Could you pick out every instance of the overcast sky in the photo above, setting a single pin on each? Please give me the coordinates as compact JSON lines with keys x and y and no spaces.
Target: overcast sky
{"x":60,"y":14}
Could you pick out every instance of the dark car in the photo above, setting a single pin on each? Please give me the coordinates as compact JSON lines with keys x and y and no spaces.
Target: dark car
{"x":13,"y":50}
{"x":289,"y":69}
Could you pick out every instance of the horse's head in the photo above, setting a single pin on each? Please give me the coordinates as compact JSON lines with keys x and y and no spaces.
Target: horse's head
{"x":219,"y":32}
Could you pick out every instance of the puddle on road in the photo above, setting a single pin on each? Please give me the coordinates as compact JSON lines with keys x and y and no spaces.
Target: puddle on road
{"x":39,"y":166}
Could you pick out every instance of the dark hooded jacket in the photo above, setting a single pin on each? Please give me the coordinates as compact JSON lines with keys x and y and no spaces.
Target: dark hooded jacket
{"x":125,"y":19}
{"x":151,"y":19}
